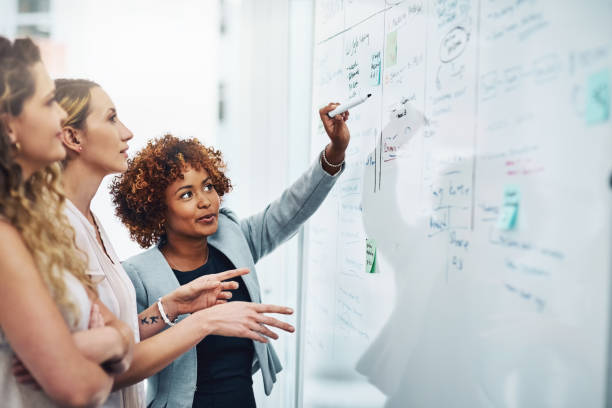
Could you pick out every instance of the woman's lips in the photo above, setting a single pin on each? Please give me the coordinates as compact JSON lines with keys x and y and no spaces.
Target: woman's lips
{"x":207,"y":219}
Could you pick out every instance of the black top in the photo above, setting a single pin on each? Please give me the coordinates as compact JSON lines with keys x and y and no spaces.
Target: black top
{"x":224,"y":363}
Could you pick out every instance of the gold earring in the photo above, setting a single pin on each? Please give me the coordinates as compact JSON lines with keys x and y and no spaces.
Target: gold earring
{"x":17,"y":147}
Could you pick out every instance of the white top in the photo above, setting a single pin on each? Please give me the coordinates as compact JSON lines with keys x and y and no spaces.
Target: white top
{"x":115,"y":289}
{"x":15,"y":395}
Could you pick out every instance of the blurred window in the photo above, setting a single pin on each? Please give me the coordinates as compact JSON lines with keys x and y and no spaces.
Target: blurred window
{"x":34,"y":6}
{"x":33,"y":30}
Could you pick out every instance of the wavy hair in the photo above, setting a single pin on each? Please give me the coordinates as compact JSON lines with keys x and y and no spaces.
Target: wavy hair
{"x":35,"y":206}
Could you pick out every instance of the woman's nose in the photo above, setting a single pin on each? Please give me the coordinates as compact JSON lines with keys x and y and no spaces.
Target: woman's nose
{"x":203,"y":201}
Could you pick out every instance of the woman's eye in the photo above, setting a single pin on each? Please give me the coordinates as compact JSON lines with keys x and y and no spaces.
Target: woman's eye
{"x":208,"y":187}
{"x":185,"y":195}
{"x":113,"y":118}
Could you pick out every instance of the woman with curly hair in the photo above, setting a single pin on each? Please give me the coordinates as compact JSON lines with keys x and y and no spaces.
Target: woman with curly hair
{"x":170,"y":196}
{"x":96,"y":142}
{"x":45,"y":292}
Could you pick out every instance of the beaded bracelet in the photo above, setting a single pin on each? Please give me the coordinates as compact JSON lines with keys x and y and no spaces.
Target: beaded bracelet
{"x":334,"y":166}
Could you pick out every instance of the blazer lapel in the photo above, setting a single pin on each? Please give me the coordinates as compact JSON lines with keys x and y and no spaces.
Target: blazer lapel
{"x":166,"y":280}
{"x":229,"y":240}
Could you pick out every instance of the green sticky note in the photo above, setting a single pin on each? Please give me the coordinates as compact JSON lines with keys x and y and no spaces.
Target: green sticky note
{"x":391,"y":50}
{"x":598,"y":98}
{"x":370,"y":255}
{"x":508,"y":212}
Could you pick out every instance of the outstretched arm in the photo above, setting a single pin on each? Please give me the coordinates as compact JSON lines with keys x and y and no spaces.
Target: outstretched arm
{"x":234,"y":319}
{"x":201,"y":293}
{"x":281,"y":219}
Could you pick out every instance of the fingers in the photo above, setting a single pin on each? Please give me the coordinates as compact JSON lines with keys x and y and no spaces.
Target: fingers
{"x":326,"y":109}
{"x":253,"y":335}
{"x":224,"y":295}
{"x":272,"y":309}
{"x":22,"y":375}
{"x":26,"y":380}
{"x":261,"y":329}
{"x":18,"y":368}
{"x":270,"y":321}
{"x":205,"y":283}
{"x":342,"y":117}
{"x":230,"y":274}
{"x":96,"y":320}
{"x":231,"y":285}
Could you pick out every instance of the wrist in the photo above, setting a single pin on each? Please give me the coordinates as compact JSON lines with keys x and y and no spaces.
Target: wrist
{"x":167,"y":317}
{"x":205,"y":322}
{"x":334,"y":154}
{"x":171,"y":307}
{"x":331,"y":165}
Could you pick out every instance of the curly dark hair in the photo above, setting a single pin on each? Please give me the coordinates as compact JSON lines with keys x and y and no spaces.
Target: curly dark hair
{"x":139,"y":193}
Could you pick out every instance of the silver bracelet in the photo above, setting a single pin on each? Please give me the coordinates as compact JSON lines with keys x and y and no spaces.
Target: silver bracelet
{"x":160,"y":307}
{"x":334,"y":166}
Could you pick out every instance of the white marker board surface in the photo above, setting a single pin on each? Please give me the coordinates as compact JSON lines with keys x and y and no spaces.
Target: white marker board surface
{"x":479,"y":171}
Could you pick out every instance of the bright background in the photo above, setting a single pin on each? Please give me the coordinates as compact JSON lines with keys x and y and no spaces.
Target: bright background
{"x":236,"y":74}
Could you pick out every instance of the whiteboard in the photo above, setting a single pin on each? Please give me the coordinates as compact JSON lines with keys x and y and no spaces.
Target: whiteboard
{"x":480,"y":171}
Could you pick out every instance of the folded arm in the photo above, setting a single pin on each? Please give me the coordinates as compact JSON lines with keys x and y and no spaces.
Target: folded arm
{"x":37,"y":332}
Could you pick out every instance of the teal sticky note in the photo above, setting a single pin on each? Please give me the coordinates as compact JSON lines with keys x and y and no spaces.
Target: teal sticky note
{"x":512,"y":195}
{"x":507,"y":217}
{"x":508,"y":212}
{"x":598,"y":98}
{"x":375,"y":66}
{"x":370,"y":256}
{"x":391,"y":49}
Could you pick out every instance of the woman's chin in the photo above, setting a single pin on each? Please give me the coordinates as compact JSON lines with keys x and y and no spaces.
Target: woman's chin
{"x":207,"y":230}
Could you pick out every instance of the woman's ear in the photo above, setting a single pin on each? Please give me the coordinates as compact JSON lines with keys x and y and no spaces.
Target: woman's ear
{"x":9,"y":127}
{"x":71,"y":138}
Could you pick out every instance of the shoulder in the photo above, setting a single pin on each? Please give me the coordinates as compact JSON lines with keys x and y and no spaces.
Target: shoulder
{"x":142,"y":261}
{"x":9,"y":236}
{"x":225,"y":214}
{"x":15,"y":257}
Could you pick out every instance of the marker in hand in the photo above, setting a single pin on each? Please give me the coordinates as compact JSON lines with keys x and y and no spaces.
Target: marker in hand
{"x":349,"y":105}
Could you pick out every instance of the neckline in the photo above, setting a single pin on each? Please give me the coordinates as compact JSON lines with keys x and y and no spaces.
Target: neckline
{"x":172,"y":265}
{"x":93,"y":228}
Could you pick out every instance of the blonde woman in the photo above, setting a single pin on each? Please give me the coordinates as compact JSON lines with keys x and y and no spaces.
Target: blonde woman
{"x":45,"y":292}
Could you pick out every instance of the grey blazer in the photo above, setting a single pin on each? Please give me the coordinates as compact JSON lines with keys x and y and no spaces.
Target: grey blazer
{"x":244,"y":242}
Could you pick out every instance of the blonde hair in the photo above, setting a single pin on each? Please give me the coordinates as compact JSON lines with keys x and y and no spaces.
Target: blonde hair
{"x":35,"y":206}
{"x":74,"y":96}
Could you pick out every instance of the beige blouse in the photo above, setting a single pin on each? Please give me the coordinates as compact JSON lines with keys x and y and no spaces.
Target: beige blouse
{"x":115,"y":289}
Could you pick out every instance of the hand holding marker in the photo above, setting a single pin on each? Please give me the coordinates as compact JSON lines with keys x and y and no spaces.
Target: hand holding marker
{"x":348,"y":105}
